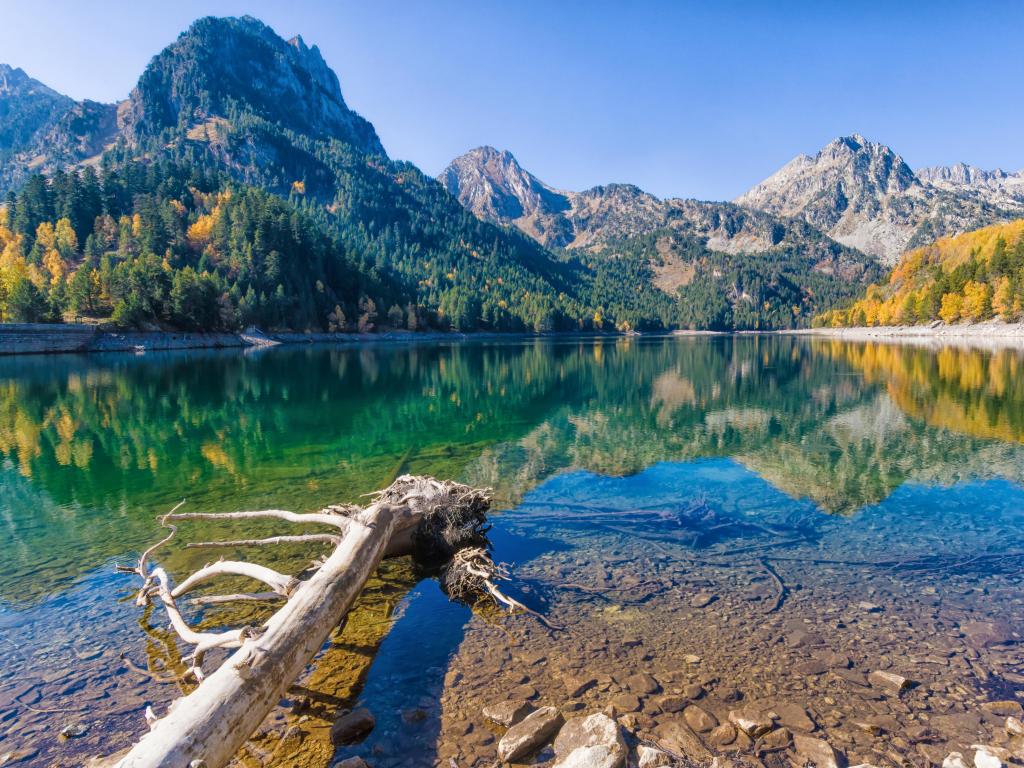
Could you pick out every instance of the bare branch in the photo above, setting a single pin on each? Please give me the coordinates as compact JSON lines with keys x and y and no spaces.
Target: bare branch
{"x":281,"y":584}
{"x":237,"y":597}
{"x":327,"y":538}
{"x":320,"y":518}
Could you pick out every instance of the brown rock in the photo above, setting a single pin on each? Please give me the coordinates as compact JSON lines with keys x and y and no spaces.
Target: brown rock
{"x":723,"y":735}
{"x":817,"y":752}
{"x":777,"y":739}
{"x":626,"y":702}
{"x":851,"y":676}
{"x":672,"y":703}
{"x":577,"y":686}
{"x":642,"y":683}
{"x":674,"y":735}
{"x":982,"y":634}
{"x":693,"y":691}
{"x":507,"y":713}
{"x":530,"y":734}
{"x":794,"y":717}
{"x":699,"y":719}
{"x":889,"y":681}
{"x":1004,"y":708}
{"x":702,"y":600}
{"x":1014,"y":726}
{"x":352,"y":726}
{"x":812,"y":667}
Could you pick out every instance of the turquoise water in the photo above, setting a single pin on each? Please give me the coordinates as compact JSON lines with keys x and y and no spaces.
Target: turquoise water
{"x":857,"y":473}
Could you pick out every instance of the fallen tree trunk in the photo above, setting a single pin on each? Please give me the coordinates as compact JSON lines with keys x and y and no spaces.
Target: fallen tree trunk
{"x":207,"y":727}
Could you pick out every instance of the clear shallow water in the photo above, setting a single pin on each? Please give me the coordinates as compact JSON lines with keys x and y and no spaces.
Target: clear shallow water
{"x":656,"y":469}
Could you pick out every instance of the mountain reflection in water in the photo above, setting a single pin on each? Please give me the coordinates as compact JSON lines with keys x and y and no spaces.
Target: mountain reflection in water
{"x":94,"y":447}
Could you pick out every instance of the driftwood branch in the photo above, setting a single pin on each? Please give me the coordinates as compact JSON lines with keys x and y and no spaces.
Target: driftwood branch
{"x":208,"y":726}
{"x":306,"y":538}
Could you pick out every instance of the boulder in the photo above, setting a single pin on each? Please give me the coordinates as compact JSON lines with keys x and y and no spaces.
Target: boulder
{"x":817,"y":752}
{"x":985,"y":757}
{"x":507,"y":713}
{"x":594,"y":741}
{"x":352,"y":726}
{"x":530,"y":734}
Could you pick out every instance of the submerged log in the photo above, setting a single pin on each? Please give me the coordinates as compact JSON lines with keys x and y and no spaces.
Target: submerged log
{"x":209,"y":725}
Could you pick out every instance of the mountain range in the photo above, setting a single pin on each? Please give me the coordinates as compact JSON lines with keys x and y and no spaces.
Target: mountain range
{"x":487,"y":245}
{"x":858,"y":193}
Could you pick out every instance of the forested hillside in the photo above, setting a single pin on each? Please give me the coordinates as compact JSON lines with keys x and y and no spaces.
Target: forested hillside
{"x":975,"y":276}
{"x":240,"y":189}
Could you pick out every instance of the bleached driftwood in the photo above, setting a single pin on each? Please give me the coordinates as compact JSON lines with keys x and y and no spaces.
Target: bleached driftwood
{"x":207,"y":727}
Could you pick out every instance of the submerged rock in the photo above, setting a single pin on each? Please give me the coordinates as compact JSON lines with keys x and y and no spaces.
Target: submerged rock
{"x":352,"y":726}
{"x":985,"y":757}
{"x":594,"y":741}
{"x":1004,"y":708}
{"x":794,"y":717}
{"x":889,"y":680}
{"x":954,"y":760}
{"x":530,"y":734}
{"x":817,"y":752}
{"x":1014,"y":726}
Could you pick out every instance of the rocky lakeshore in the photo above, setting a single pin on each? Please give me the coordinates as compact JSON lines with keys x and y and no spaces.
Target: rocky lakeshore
{"x":987,"y":336}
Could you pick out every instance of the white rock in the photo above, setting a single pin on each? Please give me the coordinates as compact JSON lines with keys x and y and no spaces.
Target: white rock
{"x":649,"y":757}
{"x":984,"y":758}
{"x":594,"y":741}
{"x":954,"y":760}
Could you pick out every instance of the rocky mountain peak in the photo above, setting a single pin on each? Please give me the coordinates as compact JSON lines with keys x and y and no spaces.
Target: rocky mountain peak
{"x":221,"y":65}
{"x":864,"y":195}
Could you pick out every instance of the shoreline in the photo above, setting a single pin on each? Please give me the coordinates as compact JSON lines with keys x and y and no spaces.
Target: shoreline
{"x":68,"y":338}
{"x":989,"y":335}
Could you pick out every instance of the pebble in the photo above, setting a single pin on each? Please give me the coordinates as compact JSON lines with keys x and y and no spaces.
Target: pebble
{"x":702,"y":600}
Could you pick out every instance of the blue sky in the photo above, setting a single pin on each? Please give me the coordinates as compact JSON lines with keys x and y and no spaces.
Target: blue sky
{"x":682,"y":98}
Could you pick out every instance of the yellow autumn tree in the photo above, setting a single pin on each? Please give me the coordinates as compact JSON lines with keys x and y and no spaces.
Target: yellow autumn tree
{"x":1002,"y":299}
{"x":949,"y":311}
{"x":977,"y":301}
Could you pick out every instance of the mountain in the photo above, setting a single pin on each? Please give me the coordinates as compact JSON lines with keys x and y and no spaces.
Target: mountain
{"x":715,"y":265}
{"x":42,"y":130}
{"x":495,"y":187}
{"x":998,"y":186}
{"x":974,"y":276}
{"x":866,"y":196}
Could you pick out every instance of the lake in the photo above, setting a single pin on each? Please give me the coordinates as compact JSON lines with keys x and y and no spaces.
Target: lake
{"x":711,"y":523}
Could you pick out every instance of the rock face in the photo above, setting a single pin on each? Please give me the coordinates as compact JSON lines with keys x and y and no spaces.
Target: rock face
{"x":997,"y":187}
{"x":529,"y":735}
{"x":223,"y":62}
{"x":590,"y":742}
{"x":864,"y":195}
{"x":42,"y":130}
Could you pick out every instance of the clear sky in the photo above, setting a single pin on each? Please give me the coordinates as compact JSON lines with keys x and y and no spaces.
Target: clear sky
{"x":682,"y":98}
